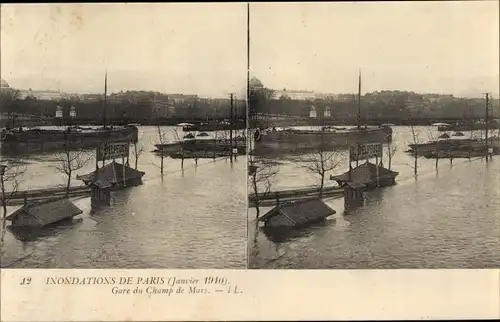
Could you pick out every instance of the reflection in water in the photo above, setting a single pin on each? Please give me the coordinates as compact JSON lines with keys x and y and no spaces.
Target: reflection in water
{"x":280,"y":235}
{"x":446,"y":219}
{"x":187,"y":219}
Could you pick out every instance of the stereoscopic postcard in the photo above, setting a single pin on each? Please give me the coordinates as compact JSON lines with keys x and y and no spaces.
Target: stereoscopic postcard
{"x":250,"y":161}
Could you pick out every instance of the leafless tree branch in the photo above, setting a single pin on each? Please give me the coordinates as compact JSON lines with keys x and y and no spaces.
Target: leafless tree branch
{"x":11,"y":178}
{"x":137,"y":152}
{"x":391,"y":150}
{"x":69,"y":161}
{"x":321,"y":162}
{"x":262,"y":176}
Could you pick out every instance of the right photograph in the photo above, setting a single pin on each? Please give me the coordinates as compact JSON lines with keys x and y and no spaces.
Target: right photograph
{"x":374,"y":135}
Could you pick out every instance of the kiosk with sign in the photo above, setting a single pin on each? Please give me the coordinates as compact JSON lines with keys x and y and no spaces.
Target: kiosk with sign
{"x":111,"y":176}
{"x":364,"y":176}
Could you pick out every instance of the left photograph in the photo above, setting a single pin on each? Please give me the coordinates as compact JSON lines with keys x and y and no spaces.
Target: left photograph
{"x":123,"y":141}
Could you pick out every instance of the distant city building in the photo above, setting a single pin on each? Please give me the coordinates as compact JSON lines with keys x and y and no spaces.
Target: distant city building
{"x":182,"y":98}
{"x":161,"y":108}
{"x":312,"y":112}
{"x":41,"y":94}
{"x":436,"y":98}
{"x":59,"y":112}
{"x":302,"y":95}
{"x":3,"y":84}
{"x":327,"y":112}
{"x":294,"y":94}
{"x":72,"y":112}
{"x":91,"y":97}
{"x":255,"y":83}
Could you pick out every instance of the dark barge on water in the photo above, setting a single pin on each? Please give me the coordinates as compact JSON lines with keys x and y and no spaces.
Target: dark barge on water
{"x":303,"y":141}
{"x":23,"y":141}
{"x":202,"y":146}
{"x":469,"y":126}
{"x":213,"y":126}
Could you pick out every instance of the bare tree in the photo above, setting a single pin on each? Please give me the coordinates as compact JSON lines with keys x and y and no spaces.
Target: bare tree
{"x":415,"y":140}
{"x":391,"y":150}
{"x":10,"y":176}
{"x":433,"y":139}
{"x":262,"y":175}
{"x":69,"y":161}
{"x":161,"y":140}
{"x":321,"y":161}
{"x":138,"y":150}
{"x":177,"y":138}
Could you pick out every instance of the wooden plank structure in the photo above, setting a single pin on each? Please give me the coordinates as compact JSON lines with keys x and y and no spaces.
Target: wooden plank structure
{"x":114,"y":176}
{"x":100,"y":194}
{"x":40,"y":214}
{"x":366,"y":174}
{"x":353,"y":194}
{"x":297,"y":214}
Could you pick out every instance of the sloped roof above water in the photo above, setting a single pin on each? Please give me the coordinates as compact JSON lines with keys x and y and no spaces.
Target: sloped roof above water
{"x":300,"y":212}
{"x":110,"y":174}
{"x":48,"y":211}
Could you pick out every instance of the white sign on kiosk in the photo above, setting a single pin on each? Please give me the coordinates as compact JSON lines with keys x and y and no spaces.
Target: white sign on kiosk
{"x":111,"y":151}
{"x":365,"y":151}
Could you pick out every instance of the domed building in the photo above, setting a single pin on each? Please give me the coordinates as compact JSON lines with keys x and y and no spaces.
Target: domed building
{"x":3,"y":84}
{"x":255,"y":83}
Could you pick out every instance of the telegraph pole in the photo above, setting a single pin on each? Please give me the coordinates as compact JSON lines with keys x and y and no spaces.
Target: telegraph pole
{"x":359,"y":100}
{"x":486,"y":124}
{"x":231,"y":122}
{"x":105,"y":99}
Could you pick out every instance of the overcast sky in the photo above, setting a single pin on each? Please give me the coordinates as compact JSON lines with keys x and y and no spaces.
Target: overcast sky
{"x":173,"y":48}
{"x":447,"y":47}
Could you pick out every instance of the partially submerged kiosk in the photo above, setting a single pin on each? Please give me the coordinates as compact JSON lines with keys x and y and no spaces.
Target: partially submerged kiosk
{"x":365,"y":176}
{"x":112,"y":176}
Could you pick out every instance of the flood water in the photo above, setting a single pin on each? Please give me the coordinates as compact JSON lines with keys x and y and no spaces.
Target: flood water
{"x":448,"y":218}
{"x":191,"y":218}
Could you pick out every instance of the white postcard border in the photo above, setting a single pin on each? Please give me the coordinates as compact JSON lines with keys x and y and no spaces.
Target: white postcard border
{"x":253,"y":295}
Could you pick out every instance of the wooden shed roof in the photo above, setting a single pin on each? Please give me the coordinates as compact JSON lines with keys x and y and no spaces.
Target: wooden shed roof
{"x":110,"y":174}
{"x":48,"y":211}
{"x":301,"y":212}
{"x":365,"y":173}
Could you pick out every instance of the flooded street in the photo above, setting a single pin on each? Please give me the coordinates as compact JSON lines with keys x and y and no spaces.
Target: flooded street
{"x":448,"y":218}
{"x":193,"y":218}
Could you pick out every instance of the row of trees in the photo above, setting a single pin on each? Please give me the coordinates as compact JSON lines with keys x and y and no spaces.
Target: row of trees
{"x":119,"y":108}
{"x":385,"y":105}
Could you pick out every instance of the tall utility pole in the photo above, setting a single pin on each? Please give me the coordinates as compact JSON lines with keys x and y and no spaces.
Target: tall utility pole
{"x":359,"y":109}
{"x":105,"y":99}
{"x":487,"y":122}
{"x":359,"y":100}
{"x":249,"y":114}
{"x":231,"y":122}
